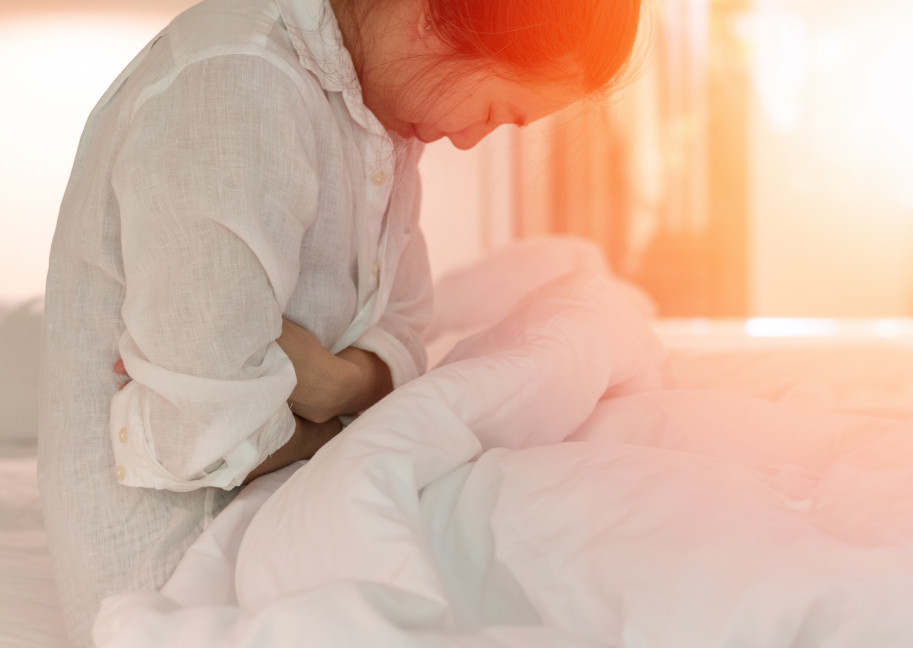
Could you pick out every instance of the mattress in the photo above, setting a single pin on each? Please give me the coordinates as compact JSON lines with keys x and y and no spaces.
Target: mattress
{"x":860,"y":366}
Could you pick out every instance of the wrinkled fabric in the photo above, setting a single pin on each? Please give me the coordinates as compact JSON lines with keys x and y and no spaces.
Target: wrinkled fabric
{"x":229,"y":177}
{"x":547,"y":485}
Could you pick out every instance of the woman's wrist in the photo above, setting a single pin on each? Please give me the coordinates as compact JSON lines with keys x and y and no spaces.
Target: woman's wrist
{"x":371,"y":377}
{"x":328,"y":396}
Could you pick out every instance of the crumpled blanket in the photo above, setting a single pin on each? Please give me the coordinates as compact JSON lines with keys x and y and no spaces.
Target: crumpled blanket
{"x":546,"y":486}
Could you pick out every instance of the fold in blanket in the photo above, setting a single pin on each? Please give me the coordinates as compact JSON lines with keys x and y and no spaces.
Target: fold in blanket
{"x":543,"y":487}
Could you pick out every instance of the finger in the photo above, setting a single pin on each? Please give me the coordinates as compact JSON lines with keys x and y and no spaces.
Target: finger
{"x":119,"y":367}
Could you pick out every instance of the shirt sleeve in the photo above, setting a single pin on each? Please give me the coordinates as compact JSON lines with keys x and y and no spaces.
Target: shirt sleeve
{"x":216,"y":188}
{"x":397,"y":338}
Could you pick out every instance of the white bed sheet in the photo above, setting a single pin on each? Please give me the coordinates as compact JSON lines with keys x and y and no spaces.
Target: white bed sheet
{"x":29,"y":610}
{"x":685,"y":516}
{"x":861,"y":367}
{"x":845,"y":370}
{"x":844,"y":366}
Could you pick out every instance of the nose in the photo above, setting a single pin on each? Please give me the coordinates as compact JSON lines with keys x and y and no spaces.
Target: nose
{"x":469,"y":137}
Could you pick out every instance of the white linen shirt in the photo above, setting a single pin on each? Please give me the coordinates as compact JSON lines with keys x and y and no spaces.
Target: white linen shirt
{"x":231,"y":175}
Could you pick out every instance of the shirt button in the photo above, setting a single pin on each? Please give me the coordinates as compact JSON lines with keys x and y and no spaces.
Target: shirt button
{"x":120,"y":472}
{"x":375,"y":269}
{"x":378,"y":178}
{"x":122,"y":435}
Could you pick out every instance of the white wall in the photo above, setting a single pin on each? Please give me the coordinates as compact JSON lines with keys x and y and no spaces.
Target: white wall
{"x":53,"y":68}
{"x":466,"y":200}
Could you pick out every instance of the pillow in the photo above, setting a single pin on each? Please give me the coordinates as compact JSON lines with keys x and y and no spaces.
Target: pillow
{"x":20,"y":344}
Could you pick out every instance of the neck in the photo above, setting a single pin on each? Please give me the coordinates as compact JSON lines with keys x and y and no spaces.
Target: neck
{"x":350,"y":17}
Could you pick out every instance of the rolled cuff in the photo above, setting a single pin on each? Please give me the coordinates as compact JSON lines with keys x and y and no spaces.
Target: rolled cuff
{"x":135,"y":458}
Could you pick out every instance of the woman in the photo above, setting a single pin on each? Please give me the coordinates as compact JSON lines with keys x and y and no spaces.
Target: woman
{"x":241,"y":229}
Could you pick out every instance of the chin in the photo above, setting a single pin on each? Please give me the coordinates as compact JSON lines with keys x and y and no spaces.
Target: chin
{"x":405,"y":130}
{"x":409,"y":130}
{"x":424,"y":137}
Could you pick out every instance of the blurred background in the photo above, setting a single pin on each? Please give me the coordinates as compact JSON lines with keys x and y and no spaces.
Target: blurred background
{"x":758,"y":161}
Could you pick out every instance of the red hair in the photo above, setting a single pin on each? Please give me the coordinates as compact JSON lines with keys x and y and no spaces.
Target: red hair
{"x":582,"y":43}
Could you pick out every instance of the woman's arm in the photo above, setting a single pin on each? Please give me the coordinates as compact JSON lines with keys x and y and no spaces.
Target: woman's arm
{"x":215,"y":189}
{"x":304,"y":443}
{"x":307,"y":439}
{"x":330,"y":385}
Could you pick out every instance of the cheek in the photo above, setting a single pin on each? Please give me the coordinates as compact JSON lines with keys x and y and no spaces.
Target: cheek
{"x":448,"y":120}
{"x":446,"y":111}
{"x":411,"y":109}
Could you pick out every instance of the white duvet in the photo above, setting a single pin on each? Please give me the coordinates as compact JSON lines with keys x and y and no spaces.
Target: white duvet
{"x":545,"y":487}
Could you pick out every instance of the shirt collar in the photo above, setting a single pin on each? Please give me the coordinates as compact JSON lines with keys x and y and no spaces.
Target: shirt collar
{"x":317,"y":40}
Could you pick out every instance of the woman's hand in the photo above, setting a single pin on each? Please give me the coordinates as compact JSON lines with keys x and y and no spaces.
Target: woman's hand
{"x":121,"y":370}
{"x":307,"y":439}
{"x":330,"y":385}
{"x":327,"y":385}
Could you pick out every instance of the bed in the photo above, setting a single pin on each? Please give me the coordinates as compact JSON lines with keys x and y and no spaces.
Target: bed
{"x":29,"y":613}
{"x":574,"y":472}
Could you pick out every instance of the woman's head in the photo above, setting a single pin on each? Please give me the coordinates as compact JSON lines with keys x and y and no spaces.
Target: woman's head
{"x":461,"y":68}
{"x":579,"y":43}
